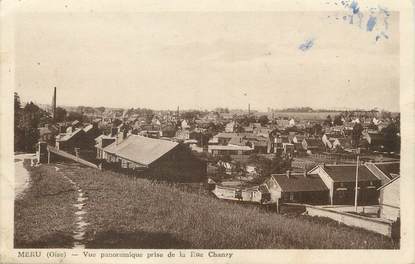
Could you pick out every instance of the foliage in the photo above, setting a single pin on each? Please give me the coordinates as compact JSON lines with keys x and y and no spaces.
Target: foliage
{"x":267,"y":166}
{"x":137,"y":213}
{"x":356,"y":134}
{"x":263,"y":120}
{"x":328,"y":121}
{"x":337,"y":121}
{"x":26,"y":123}
{"x":390,"y":134}
{"x":298,"y":109}
{"x":72,"y":116}
{"x":60,"y":114}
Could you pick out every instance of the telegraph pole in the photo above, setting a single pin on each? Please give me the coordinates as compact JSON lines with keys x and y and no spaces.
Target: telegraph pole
{"x":357,"y":180}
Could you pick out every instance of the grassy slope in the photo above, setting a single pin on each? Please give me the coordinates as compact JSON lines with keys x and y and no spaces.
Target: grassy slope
{"x":44,"y":216}
{"x":134,"y":213}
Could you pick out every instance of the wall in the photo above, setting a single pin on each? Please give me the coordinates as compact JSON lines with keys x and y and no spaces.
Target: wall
{"x":178,"y":165}
{"x":389,"y":201}
{"x":383,"y":227}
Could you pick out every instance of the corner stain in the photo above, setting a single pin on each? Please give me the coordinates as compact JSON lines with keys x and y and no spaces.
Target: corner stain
{"x":306,"y":45}
{"x":371,"y":23}
{"x":355,"y":7}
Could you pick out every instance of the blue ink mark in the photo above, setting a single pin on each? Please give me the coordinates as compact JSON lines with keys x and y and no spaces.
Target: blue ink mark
{"x":355,"y":7}
{"x":306,"y":45}
{"x":371,"y":23}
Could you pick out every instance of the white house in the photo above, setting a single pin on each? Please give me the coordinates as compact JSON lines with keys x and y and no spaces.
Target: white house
{"x":389,"y":200}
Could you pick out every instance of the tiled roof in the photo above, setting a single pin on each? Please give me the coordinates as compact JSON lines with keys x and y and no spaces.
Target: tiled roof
{"x":68,"y":136}
{"x":389,"y":168}
{"x":142,"y":150}
{"x":314,"y":142}
{"x":347,"y":173}
{"x":229,"y":147}
{"x":299,"y":183}
{"x":88,"y":128}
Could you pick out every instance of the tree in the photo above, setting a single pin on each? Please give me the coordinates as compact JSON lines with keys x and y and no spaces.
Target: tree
{"x":263,"y":120}
{"x":391,"y":138}
{"x":101,"y":109}
{"x":17,"y":103}
{"x":328,"y":121}
{"x":316,"y":129}
{"x":356,"y":133}
{"x":18,"y":136}
{"x":338,"y":120}
{"x":26,"y":126}
{"x":372,"y":126}
{"x":72,"y":116}
{"x":60,"y":114}
{"x":267,"y":166}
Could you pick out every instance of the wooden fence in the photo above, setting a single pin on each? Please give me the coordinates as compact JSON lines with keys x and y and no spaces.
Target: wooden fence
{"x":70,"y":156}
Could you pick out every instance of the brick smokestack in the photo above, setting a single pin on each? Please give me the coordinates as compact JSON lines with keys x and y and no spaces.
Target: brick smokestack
{"x":54,"y":104}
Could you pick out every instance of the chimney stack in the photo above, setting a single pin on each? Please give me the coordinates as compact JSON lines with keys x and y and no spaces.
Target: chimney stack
{"x":54,"y":104}
{"x":288,"y":173}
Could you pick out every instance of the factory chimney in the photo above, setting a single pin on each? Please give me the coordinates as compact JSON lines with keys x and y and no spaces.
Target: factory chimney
{"x":54,"y":104}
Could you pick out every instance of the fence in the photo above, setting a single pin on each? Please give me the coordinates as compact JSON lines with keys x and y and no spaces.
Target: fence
{"x":70,"y":156}
{"x":338,"y":158}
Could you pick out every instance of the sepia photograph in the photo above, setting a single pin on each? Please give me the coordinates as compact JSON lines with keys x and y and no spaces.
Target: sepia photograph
{"x":207,"y":130}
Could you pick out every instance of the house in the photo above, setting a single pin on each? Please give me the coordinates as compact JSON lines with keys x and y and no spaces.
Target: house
{"x":257,"y":143}
{"x":185,"y":125}
{"x":385,"y":171}
{"x":156,"y":159}
{"x":224,"y":138}
{"x":389,"y":200}
{"x":376,"y":141}
{"x":236,"y":191}
{"x":262,"y":132}
{"x":218,"y":150}
{"x":69,"y":141}
{"x":182,"y":134}
{"x":48,"y":133}
{"x":101,"y":142}
{"x":313,"y":145}
{"x":277,"y":145}
{"x":75,"y":124}
{"x":297,"y":139}
{"x":297,"y":188}
{"x":230,"y":127}
{"x":344,"y":143}
{"x":341,"y":181}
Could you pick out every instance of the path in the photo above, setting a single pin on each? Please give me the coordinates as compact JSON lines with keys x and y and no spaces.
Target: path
{"x":80,"y":222}
{"x":21,"y":175}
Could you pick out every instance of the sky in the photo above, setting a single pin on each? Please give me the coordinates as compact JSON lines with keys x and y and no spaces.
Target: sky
{"x":203,"y":60}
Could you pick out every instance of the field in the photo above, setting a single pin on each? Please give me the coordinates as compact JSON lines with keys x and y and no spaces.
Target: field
{"x":136,"y":213}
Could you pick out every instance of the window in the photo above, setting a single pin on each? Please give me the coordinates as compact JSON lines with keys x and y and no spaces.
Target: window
{"x":291,"y":196}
